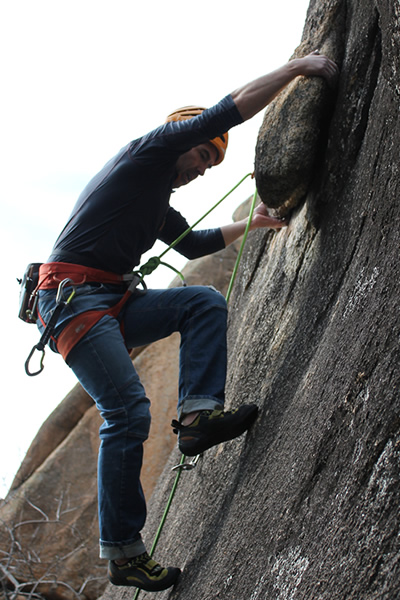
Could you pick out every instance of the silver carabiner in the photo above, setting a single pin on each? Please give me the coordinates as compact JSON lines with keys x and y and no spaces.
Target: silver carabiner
{"x":187,"y":466}
{"x":60,"y":291}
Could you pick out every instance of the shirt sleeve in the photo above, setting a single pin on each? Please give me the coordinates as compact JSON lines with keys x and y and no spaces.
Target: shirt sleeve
{"x":174,"y":138}
{"x":194,"y":244}
{"x":212,"y":122}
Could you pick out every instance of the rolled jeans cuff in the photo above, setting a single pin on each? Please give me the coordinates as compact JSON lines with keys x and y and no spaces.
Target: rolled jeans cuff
{"x":195,"y":403}
{"x":114,"y":552}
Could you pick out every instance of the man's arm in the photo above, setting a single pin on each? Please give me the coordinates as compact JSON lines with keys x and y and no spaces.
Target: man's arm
{"x":254,"y":96}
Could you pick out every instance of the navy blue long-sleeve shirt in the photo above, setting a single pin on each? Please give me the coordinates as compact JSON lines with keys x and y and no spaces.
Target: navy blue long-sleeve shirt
{"x":125,"y":207}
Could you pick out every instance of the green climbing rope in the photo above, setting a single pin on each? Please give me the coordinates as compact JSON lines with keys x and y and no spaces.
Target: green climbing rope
{"x":228,"y":294}
{"x":239,"y":256}
{"x":155,"y":261}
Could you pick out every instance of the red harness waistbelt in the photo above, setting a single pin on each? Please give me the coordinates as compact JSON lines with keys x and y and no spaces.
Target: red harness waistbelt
{"x":50,"y":276}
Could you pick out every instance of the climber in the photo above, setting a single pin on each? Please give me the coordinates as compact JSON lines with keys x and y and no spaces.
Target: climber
{"x":118,"y":217}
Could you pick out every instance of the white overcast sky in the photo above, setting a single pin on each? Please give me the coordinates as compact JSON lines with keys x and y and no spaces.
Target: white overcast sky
{"x":79,"y":80}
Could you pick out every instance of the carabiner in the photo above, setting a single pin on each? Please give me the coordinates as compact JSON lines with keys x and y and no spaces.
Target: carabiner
{"x":187,"y":466}
{"x":60,"y":291}
{"x":41,"y":365}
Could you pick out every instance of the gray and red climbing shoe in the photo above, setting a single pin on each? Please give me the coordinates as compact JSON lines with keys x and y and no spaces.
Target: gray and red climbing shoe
{"x":211,"y":427}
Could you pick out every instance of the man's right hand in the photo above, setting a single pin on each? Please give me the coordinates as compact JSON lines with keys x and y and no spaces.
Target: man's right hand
{"x":316,"y":64}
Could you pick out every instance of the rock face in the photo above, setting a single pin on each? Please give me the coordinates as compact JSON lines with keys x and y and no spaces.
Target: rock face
{"x":49,"y":533}
{"x":306,"y":505}
{"x":293,"y":132}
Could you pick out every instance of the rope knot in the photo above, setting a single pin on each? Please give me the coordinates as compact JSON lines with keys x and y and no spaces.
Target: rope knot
{"x":150,"y":266}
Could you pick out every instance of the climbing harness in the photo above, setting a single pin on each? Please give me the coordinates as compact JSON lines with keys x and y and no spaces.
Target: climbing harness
{"x":49,"y":275}
{"x":53,"y":276}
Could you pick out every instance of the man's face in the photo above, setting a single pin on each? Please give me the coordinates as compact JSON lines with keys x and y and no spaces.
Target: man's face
{"x":194,"y":163}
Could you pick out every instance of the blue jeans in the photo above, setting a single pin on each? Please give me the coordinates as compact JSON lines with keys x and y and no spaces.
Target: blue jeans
{"x":103,"y":366}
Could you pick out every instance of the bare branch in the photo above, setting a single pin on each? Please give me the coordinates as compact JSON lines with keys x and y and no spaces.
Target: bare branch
{"x":9,"y":576}
{"x":36,"y":508}
{"x":23,"y":571}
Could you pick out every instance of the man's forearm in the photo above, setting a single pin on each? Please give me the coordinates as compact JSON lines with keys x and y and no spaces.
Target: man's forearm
{"x":233,"y":231}
{"x":254,"y":96}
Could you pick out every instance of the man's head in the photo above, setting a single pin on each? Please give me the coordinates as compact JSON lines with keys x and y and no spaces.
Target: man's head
{"x":193,"y":163}
{"x":202,"y":157}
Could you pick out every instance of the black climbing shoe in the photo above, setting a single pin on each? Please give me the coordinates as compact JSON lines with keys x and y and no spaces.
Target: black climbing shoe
{"x":211,"y":427}
{"x":143,"y":572}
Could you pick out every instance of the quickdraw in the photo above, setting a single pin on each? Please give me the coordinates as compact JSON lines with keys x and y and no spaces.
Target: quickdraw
{"x":51,"y":325}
